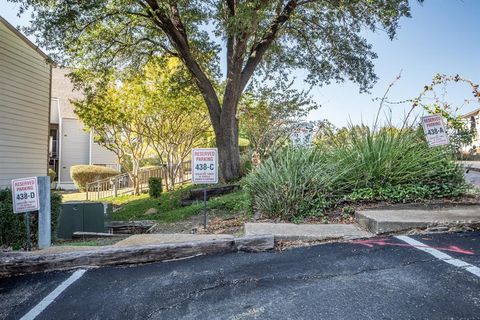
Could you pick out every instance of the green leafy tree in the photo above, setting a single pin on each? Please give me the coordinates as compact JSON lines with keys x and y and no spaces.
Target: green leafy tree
{"x":259,"y":37}
{"x":117,"y":116}
{"x":177,"y":118}
{"x":268,"y":115}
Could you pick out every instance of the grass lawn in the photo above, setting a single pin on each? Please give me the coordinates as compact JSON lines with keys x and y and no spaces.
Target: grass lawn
{"x":168,"y":205}
{"x":170,"y":210}
{"x":91,"y":242}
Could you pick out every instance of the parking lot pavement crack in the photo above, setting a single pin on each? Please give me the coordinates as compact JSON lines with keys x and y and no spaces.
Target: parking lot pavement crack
{"x":194,"y":295}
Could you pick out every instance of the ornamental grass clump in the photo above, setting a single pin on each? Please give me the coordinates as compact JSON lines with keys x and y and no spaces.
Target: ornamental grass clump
{"x":388,"y":165}
{"x":392,"y":162}
{"x":293,"y":183}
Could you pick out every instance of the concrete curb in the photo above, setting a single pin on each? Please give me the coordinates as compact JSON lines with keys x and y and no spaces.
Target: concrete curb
{"x":473,"y":169}
{"x":16,"y":264}
{"x":394,"y":221}
{"x":307,"y":232}
{"x":471,"y":165}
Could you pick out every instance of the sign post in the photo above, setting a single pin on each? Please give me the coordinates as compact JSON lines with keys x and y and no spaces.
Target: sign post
{"x":435,"y":131}
{"x":25,"y":200}
{"x":44,"y":213}
{"x":205,"y":171}
{"x":27,"y":222}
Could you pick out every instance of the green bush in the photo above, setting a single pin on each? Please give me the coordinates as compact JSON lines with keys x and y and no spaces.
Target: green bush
{"x":392,"y":157}
{"x":245,"y":163}
{"x":389,"y":165}
{"x":83,"y":174}
{"x":12,"y":226}
{"x":291,"y":183}
{"x":55,"y":203}
{"x":155,"y":187}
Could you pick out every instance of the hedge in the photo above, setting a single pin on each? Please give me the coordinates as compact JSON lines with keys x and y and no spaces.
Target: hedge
{"x":12,"y":226}
{"x":83,"y":174}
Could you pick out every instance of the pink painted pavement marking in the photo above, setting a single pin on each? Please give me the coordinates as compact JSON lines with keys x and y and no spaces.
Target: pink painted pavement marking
{"x":384,"y":242}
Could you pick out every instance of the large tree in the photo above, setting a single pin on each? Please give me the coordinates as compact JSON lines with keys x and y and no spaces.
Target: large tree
{"x":324,"y":37}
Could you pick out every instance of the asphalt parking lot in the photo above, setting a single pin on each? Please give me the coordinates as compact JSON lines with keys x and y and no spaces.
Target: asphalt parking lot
{"x":386,"y":278}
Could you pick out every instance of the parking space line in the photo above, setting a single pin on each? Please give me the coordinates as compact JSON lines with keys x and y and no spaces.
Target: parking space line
{"x":42,"y":305}
{"x":441,"y":255}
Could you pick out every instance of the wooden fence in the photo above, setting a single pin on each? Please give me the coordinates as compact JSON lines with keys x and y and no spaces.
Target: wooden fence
{"x":123,"y":183}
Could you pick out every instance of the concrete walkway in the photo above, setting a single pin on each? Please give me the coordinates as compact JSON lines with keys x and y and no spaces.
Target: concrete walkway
{"x":157,"y":238}
{"x":371,"y":222}
{"x":386,"y":221}
{"x":290,"y":231}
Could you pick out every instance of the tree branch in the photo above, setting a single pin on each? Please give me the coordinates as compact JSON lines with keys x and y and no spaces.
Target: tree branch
{"x":177,"y":35}
{"x":258,"y":50}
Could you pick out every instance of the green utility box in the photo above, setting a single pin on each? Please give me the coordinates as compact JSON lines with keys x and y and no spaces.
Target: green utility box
{"x":82,"y":216}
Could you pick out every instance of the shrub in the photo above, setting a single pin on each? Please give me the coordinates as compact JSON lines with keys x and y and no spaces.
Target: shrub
{"x":12,"y":225}
{"x":291,"y":183}
{"x":154,"y":187}
{"x":389,"y":165}
{"x":245,"y":163}
{"x":55,"y":203}
{"x":394,"y":158}
{"x":83,"y":174}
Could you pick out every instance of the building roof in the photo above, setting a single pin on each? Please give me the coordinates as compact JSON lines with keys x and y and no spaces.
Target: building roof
{"x":25,"y":39}
{"x":471,"y":113}
{"x":64,"y":91}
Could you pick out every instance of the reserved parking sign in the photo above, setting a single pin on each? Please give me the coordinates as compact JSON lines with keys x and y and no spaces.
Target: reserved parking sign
{"x":435,"y":130}
{"x":205,"y":165}
{"x":25,"y":195}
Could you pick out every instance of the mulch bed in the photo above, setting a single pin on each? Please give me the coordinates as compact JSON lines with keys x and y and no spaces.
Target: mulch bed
{"x":230,"y":225}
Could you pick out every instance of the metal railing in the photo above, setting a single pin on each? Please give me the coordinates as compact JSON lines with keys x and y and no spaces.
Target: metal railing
{"x":123,"y":183}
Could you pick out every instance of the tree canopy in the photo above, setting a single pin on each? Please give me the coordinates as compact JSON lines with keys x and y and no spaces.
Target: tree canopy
{"x":153,"y":111}
{"x":324,"y":37}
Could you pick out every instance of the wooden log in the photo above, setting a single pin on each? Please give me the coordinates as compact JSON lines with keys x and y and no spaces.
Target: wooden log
{"x":81,"y":234}
{"x":130,"y":227}
{"x":31,"y":263}
{"x":197,"y":194}
{"x":139,"y":223}
{"x":255,"y":243}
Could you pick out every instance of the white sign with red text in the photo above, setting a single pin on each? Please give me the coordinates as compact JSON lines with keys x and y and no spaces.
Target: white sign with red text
{"x":435,"y":130}
{"x":25,"y":195}
{"x":205,"y":165}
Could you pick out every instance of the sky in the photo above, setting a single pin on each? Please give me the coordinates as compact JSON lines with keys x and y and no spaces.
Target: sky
{"x":441,"y":37}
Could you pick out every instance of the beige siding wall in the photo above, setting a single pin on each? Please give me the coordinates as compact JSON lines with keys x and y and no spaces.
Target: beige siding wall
{"x":73,"y":149}
{"x":24,"y":109}
{"x":100,"y":155}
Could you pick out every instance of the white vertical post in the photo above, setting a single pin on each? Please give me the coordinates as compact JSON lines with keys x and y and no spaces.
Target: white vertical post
{"x":44,"y":214}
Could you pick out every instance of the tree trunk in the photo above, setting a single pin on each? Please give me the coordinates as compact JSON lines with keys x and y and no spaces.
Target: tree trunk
{"x":229,"y":158}
{"x":171,"y":175}
{"x":135,"y":172}
{"x":227,"y":143}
